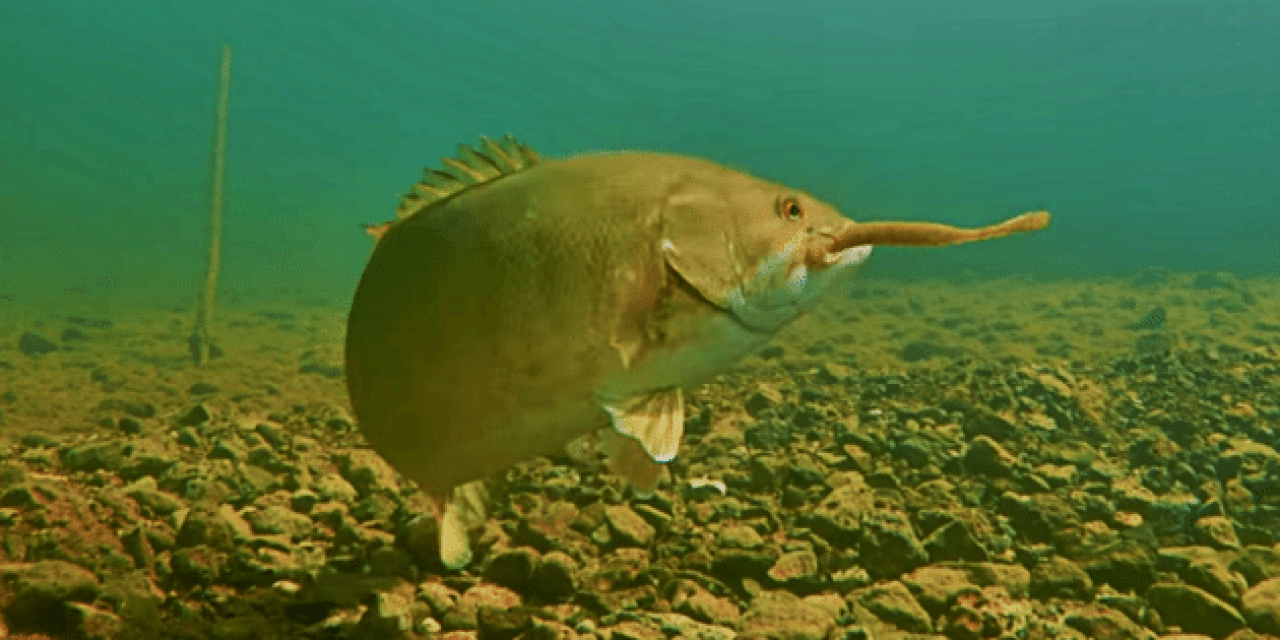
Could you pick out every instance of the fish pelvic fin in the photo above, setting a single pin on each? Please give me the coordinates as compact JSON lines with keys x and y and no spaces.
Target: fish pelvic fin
{"x":465,"y":509}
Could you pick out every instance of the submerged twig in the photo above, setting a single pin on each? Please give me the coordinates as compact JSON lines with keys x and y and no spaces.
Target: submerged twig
{"x":200,"y":343}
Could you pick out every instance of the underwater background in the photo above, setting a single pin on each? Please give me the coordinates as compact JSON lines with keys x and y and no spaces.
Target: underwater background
{"x":1150,"y":130}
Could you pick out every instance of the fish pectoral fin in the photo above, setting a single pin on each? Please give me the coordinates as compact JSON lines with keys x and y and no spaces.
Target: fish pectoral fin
{"x":655,"y":419}
{"x":464,"y":511}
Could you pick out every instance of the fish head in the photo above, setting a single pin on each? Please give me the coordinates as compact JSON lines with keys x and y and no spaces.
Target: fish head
{"x":763,"y":252}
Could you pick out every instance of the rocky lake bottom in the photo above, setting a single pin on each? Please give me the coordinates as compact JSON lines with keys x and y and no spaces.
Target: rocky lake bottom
{"x":995,"y":459}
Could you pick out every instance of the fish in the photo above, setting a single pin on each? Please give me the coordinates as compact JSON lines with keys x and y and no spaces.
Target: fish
{"x":516,"y":303}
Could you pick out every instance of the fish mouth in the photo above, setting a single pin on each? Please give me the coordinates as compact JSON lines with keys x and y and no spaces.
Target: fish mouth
{"x":826,"y":252}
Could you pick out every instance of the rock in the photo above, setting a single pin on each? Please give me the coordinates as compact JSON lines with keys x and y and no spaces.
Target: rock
{"x":367,"y":472}
{"x":675,"y":625}
{"x":1058,"y":577}
{"x":1039,"y":517}
{"x":797,"y":570}
{"x":1261,"y":606}
{"x":91,"y":623}
{"x":627,"y":527}
{"x":389,"y":615}
{"x":41,"y":591}
{"x":197,"y":565}
{"x":196,"y":414}
{"x":838,"y":518}
{"x":893,"y":603}
{"x":765,"y":397}
{"x":955,"y":541}
{"x":331,"y":486}
{"x":149,"y":497}
{"x":1194,"y":609}
{"x":986,"y":457}
{"x":220,"y":529}
{"x":202,"y":389}
{"x":1257,"y":563}
{"x":439,"y":598}
{"x":889,"y":547}
{"x":691,"y":599}
{"x":1097,"y":621}
{"x":502,"y":624}
{"x":189,"y":437}
{"x":936,"y":587}
{"x":94,"y":456}
{"x":739,"y":537}
{"x":781,"y":614}
{"x":31,"y":344}
{"x":1217,"y":532}
{"x":513,"y":568}
{"x":1127,"y":565}
{"x":465,"y":614}
{"x":1212,"y":576}
{"x":278,"y":519}
{"x":556,"y":577}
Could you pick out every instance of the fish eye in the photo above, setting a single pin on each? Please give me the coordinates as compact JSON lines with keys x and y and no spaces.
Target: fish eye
{"x":790,"y":209}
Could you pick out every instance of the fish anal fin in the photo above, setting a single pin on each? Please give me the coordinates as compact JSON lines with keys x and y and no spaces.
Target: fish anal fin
{"x":625,"y":457}
{"x":654,"y":418}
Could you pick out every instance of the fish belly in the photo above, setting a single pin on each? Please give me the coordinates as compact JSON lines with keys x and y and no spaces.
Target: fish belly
{"x":466,"y":356}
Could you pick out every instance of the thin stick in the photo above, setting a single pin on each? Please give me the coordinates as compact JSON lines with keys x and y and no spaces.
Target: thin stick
{"x":200,"y":343}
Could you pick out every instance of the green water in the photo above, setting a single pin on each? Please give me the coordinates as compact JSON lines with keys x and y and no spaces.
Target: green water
{"x":1149,"y":129}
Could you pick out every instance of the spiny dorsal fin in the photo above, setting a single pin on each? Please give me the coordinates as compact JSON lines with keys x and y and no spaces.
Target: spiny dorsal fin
{"x":471,"y":167}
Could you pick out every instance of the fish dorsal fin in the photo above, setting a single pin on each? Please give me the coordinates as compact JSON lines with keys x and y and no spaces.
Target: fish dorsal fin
{"x":469,"y":168}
